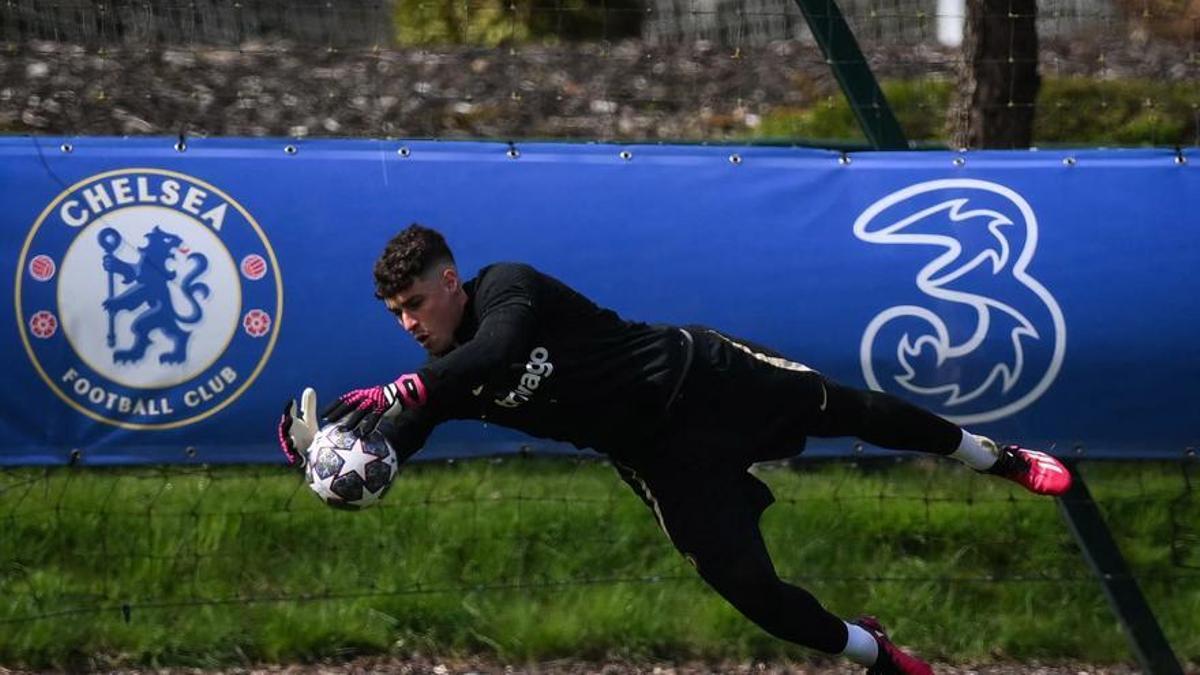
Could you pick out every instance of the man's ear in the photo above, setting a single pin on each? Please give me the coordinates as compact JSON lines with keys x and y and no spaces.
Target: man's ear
{"x":450,"y":280}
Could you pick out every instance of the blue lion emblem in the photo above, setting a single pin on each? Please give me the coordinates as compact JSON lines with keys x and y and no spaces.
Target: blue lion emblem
{"x":150,"y":287}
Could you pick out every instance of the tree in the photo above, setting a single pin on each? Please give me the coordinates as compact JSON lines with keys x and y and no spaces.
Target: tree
{"x":998,"y":81}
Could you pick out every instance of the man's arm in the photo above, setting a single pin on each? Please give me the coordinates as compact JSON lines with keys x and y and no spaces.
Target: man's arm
{"x":506,"y":326}
{"x":407,"y":432}
{"x":505,"y":301}
{"x":504,"y":336}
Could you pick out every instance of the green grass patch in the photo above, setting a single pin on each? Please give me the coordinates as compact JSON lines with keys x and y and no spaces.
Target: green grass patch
{"x":1070,"y":111}
{"x":491,"y":23}
{"x":920,"y":107}
{"x":1118,"y":112}
{"x":543,"y":559}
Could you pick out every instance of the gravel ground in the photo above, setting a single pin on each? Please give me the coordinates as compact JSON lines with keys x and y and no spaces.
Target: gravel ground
{"x":418,"y":665}
{"x":596,"y":91}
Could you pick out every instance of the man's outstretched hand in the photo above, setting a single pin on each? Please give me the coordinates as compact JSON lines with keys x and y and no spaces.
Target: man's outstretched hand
{"x":298,"y":427}
{"x":361,"y":410}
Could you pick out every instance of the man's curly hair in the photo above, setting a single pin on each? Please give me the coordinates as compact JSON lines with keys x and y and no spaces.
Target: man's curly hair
{"x":407,"y":257}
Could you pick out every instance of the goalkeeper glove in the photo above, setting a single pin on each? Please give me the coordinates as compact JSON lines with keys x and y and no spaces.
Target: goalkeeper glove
{"x":298,"y":427}
{"x":362,"y":409}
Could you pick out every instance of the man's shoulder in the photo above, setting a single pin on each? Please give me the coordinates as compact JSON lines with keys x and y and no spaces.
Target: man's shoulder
{"x":509,"y":274}
{"x":516,"y":279}
{"x":501,"y":282}
{"x":507,"y":269}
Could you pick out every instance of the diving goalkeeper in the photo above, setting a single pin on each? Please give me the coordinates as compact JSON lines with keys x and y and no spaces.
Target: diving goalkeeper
{"x":682,"y":412}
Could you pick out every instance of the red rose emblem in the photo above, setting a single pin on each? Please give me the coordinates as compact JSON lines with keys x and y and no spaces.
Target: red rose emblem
{"x":43,"y":324}
{"x":256,"y":323}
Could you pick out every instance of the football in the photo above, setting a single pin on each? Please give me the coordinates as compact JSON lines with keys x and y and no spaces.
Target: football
{"x":348,"y":472}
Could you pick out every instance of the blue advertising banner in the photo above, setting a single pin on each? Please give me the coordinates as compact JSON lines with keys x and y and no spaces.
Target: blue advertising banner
{"x":167,"y":300}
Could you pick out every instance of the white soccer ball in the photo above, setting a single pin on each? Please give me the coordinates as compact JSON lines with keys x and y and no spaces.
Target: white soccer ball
{"x":348,"y":472}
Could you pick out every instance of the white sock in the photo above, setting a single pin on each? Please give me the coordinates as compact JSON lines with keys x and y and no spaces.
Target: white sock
{"x":861,"y":647}
{"x":977,"y":452}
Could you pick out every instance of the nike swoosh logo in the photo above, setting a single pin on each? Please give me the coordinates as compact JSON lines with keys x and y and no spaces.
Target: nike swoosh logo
{"x":477,"y":390}
{"x":824,"y":398}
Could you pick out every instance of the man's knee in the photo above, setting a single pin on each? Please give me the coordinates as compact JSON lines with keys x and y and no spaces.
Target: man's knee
{"x":847,"y":410}
{"x":788,"y":612}
{"x":748,"y":586}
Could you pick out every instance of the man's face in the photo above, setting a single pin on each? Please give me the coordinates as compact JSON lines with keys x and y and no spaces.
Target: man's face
{"x":430,"y":310}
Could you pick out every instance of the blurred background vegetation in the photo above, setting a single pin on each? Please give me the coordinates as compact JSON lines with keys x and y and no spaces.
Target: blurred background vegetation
{"x":492,"y":23}
{"x":1091,"y":72}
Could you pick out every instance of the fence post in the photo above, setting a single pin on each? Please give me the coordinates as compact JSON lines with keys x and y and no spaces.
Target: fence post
{"x":841,"y":51}
{"x":1087,"y":525}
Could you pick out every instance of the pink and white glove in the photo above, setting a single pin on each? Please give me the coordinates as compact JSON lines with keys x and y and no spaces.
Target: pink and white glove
{"x":362,"y":409}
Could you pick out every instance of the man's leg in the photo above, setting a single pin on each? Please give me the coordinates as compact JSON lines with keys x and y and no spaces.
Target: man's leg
{"x":891,"y":422}
{"x":883,"y":420}
{"x":713,"y":521}
{"x":744,"y":575}
{"x":782,"y":402}
{"x":746,"y":578}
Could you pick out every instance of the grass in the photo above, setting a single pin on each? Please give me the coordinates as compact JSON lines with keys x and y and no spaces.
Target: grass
{"x":542,"y":559}
{"x":1070,"y":111}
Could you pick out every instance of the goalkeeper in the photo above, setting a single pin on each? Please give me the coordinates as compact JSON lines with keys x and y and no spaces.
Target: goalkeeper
{"x":682,"y":412}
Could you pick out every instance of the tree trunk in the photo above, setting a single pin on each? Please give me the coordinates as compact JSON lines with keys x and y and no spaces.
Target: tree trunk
{"x":998,"y":82}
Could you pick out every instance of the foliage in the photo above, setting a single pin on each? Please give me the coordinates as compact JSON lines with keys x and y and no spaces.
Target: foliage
{"x":1118,"y":112}
{"x":1070,"y":111}
{"x":919,"y":106}
{"x":489,"y":23}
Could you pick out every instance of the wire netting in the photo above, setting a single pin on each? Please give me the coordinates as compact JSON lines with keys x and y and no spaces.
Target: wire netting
{"x":219,"y":555}
{"x":1112,"y":72}
{"x":217,"y":561}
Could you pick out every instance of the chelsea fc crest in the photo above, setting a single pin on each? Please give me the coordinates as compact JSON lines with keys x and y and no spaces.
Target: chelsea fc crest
{"x":147,"y":299}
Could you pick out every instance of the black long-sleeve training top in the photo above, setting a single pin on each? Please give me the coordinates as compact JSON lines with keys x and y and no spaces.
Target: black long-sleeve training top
{"x":534,"y":355}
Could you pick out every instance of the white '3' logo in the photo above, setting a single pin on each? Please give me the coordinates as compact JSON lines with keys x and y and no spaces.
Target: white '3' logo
{"x":1004,"y":385}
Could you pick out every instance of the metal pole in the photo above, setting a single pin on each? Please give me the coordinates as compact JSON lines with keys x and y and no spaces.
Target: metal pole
{"x":841,"y":52}
{"x":1087,"y":524}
